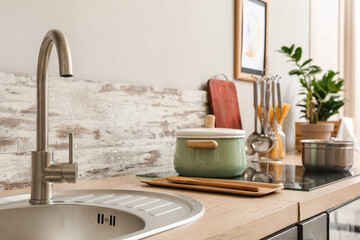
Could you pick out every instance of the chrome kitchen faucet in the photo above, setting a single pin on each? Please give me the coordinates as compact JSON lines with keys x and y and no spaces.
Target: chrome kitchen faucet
{"x":44,"y":172}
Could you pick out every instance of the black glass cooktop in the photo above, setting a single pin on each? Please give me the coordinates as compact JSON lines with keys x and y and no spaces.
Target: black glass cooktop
{"x":291,"y":176}
{"x":296,"y":177}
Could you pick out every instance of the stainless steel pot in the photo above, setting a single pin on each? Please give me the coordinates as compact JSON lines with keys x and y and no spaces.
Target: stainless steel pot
{"x":327,"y":155}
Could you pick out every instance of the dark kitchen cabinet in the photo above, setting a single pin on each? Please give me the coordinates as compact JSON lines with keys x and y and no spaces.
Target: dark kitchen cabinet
{"x":314,"y":228}
{"x":290,"y":233}
{"x":344,"y":221}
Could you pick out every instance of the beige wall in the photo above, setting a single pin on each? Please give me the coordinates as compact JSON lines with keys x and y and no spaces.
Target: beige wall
{"x":165,"y":43}
{"x":356,"y":79}
{"x":324,"y":33}
{"x":176,"y":43}
{"x":289,"y":23}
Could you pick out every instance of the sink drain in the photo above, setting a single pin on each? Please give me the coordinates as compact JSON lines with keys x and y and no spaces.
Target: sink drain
{"x":101,"y":219}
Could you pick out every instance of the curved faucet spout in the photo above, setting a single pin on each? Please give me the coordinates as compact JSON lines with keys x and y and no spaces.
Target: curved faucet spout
{"x":65,"y":66}
{"x":45,"y":172}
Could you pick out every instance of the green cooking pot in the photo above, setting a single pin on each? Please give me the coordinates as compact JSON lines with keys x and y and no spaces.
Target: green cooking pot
{"x":210,"y":152}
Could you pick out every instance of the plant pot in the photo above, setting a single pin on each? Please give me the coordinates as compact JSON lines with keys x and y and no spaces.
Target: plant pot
{"x":316,"y":131}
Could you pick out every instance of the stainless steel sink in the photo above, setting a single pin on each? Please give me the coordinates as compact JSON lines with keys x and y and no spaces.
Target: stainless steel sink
{"x":96,"y":214}
{"x":81,"y":214}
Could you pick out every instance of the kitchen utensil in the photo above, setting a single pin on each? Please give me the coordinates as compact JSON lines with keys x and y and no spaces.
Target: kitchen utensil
{"x":277,"y":152}
{"x":279,"y":97}
{"x":263,"y":142}
{"x":210,"y":152}
{"x":327,"y":155}
{"x":262,"y":177}
{"x":267,"y":104}
{"x":213,"y":183}
{"x":274,"y":123}
{"x":249,"y":173}
{"x":264,"y":188}
{"x":255,"y":134}
{"x":224,"y":104}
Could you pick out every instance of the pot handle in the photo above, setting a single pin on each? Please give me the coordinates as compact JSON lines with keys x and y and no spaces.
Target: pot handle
{"x":209,"y":121}
{"x":202,"y":144}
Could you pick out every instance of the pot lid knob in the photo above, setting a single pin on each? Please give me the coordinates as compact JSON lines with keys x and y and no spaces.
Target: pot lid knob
{"x":209,"y":121}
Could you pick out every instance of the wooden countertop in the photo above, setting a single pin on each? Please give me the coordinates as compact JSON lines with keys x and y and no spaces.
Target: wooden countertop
{"x":238,"y":217}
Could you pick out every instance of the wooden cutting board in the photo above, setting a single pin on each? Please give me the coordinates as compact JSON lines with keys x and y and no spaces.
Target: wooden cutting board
{"x":224,"y":103}
{"x":263,"y":188}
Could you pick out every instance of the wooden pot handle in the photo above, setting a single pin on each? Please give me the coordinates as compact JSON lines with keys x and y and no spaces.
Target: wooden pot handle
{"x":202,"y":144}
{"x":209,"y":121}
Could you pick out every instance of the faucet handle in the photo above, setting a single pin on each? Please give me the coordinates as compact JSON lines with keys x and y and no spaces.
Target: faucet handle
{"x":71,"y":147}
{"x":70,"y":170}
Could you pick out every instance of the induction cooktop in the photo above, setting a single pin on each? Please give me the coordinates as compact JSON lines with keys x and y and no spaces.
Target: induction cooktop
{"x":291,"y":176}
{"x":297,"y":177}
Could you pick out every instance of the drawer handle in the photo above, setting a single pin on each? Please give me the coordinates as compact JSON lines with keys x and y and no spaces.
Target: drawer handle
{"x":201,"y":144}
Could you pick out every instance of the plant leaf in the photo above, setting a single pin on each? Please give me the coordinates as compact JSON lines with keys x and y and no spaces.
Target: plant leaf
{"x":297,"y":54}
{"x":291,"y":49}
{"x":314,"y":71}
{"x":295,"y":72}
{"x":285,"y":49}
{"x":306,"y":62}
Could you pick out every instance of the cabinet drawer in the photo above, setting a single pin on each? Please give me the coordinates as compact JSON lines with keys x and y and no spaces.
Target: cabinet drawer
{"x":290,"y":233}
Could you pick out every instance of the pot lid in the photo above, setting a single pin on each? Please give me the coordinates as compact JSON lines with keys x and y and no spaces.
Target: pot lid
{"x":328,"y":143}
{"x":210,"y":133}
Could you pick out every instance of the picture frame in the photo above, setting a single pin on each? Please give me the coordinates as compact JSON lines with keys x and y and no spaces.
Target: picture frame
{"x":251,"y":20}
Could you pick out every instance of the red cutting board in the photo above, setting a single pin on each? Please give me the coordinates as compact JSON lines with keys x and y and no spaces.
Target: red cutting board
{"x":224,"y":103}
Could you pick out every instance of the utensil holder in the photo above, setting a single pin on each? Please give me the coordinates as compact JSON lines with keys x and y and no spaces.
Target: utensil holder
{"x":277,"y":152}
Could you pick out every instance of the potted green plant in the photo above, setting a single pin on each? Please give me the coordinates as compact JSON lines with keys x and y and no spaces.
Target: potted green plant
{"x":321,"y":95}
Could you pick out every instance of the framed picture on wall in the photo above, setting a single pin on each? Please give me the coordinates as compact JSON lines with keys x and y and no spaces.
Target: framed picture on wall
{"x":250,"y":38}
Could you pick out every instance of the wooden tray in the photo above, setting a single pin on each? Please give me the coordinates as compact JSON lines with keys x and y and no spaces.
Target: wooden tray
{"x":264,"y":188}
